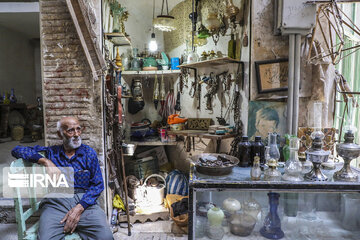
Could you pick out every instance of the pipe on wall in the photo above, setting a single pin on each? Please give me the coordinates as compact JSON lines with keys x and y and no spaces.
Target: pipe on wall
{"x":290,"y":99}
{"x":296,"y":86}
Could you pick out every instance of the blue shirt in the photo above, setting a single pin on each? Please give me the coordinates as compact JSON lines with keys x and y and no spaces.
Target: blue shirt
{"x":87,"y":173}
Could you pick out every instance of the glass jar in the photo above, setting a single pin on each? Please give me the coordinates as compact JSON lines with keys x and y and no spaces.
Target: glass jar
{"x":135,"y":63}
{"x":351,"y":213}
{"x":251,"y":207}
{"x":244,"y":152}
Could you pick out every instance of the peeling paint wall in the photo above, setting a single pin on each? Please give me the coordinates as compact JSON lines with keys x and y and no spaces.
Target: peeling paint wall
{"x":316,"y":82}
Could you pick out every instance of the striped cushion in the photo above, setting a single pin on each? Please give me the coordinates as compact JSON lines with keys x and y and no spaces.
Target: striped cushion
{"x":176,"y":183}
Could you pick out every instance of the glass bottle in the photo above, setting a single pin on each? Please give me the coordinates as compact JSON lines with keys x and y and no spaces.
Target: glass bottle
{"x":272,"y":173}
{"x":286,"y":148}
{"x":258,"y":148}
{"x":255,"y":172}
{"x":12,"y":97}
{"x":244,"y":152}
{"x":272,"y":223}
{"x":274,"y":150}
{"x":293,"y":167}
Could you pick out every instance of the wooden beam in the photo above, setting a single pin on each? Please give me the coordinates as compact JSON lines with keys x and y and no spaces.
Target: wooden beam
{"x":87,"y":36}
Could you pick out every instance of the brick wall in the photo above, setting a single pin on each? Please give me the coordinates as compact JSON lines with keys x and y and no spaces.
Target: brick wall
{"x":68,"y":87}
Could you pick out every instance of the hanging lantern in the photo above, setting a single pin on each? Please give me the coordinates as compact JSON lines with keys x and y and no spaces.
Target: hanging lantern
{"x":165,"y":23}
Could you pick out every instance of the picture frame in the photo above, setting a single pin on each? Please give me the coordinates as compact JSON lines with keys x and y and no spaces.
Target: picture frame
{"x":272,"y":75}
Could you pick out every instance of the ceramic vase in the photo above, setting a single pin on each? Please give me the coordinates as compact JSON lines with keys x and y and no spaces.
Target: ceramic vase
{"x":272,"y":224}
{"x":215,"y":216}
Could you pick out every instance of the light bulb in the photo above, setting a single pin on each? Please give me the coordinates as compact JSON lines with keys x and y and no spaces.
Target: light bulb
{"x":153,"y":44}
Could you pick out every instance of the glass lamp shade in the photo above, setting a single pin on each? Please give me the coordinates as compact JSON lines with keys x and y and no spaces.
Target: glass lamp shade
{"x":212,"y":22}
{"x":164,"y":23}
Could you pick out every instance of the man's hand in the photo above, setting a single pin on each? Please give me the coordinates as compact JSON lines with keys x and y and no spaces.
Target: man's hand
{"x":51,"y":168}
{"x":72,"y":218}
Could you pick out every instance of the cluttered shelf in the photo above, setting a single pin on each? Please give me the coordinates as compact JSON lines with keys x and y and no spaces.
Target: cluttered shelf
{"x":211,"y":62}
{"x":201,"y":133}
{"x":152,"y":143}
{"x":147,"y":73}
{"x":240,"y":178}
{"x":118,"y":39}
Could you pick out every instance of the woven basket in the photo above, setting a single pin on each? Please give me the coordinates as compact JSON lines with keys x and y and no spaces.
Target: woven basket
{"x":181,"y":220}
{"x":17,"y":133}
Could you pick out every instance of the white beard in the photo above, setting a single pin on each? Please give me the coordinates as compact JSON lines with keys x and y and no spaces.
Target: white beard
{"x":72,"y":143}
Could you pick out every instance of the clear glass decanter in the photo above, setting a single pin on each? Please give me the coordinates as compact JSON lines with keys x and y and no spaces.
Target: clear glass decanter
{"x":293,"y":167}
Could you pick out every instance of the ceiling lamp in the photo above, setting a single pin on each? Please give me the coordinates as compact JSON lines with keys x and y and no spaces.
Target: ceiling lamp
{"x":165,"y":23}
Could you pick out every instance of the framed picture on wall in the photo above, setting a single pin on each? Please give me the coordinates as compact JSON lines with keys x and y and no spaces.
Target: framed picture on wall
{"x":272,"y":75}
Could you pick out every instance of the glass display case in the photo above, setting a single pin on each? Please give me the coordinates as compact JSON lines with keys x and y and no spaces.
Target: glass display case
{"x":233,"y":206}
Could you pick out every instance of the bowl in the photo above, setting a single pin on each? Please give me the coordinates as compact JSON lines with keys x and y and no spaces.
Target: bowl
{"x":242,"y":224}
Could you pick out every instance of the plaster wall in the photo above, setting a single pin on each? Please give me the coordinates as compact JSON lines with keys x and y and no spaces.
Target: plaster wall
{"x":17,"y":66}
{"x":189,"y":105}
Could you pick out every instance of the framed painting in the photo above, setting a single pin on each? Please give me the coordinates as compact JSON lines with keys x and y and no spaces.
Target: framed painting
{"x":272,"y":75}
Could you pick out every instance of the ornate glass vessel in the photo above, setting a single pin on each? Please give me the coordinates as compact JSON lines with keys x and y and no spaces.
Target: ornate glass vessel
{"x":293,"y":167}
{"x":272,"y":173}
{"x":272,"y":224}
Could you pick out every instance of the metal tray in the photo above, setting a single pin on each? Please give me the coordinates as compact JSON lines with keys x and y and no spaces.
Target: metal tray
{"x":214,"y":171}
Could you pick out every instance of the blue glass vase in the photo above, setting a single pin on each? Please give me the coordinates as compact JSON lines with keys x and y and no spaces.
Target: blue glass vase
{"x":272,"y":224}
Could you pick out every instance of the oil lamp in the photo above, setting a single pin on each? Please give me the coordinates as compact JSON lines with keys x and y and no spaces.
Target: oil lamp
{"x":316,"y":154}
{"x":348,"y":150}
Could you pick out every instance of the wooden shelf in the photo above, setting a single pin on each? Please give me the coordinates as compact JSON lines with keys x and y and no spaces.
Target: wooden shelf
{"x":154,"y":143}
{"x":150,"y":73}
{"x":118,"y":39}
{"x":201,"y":133}
{"x":152,"y":213}
{"x":212,"y":62}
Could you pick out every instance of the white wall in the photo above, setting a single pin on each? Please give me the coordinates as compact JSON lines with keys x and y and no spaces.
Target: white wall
{"x":17,"y":67}
{"x":138,"y":27}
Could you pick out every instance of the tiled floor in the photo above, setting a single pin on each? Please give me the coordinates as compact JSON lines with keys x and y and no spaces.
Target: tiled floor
{"x":159,"y":230}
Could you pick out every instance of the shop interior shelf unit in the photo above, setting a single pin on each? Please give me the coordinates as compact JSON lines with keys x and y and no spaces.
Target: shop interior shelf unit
{"x":204,"y":134}
{"x":239,"y":180}
{"x":150,"y":73}
{"x":118,"y":39}
{"x":212,"y":62}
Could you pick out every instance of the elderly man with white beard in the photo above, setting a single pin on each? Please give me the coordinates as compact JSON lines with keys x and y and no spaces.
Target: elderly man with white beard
{"x":61,"y":216}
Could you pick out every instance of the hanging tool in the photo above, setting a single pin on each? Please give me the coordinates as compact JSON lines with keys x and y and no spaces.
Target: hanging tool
{"x":162,"y":96}
{"x":177,"y":106}
{"x":156,"y":92}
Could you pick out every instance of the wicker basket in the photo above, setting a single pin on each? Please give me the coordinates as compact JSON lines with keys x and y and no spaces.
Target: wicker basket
{"x":181,"y":220}
{"x":17,"y":133}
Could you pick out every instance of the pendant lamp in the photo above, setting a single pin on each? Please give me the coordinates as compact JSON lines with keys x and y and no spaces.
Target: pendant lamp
{"x":165,"y":23}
